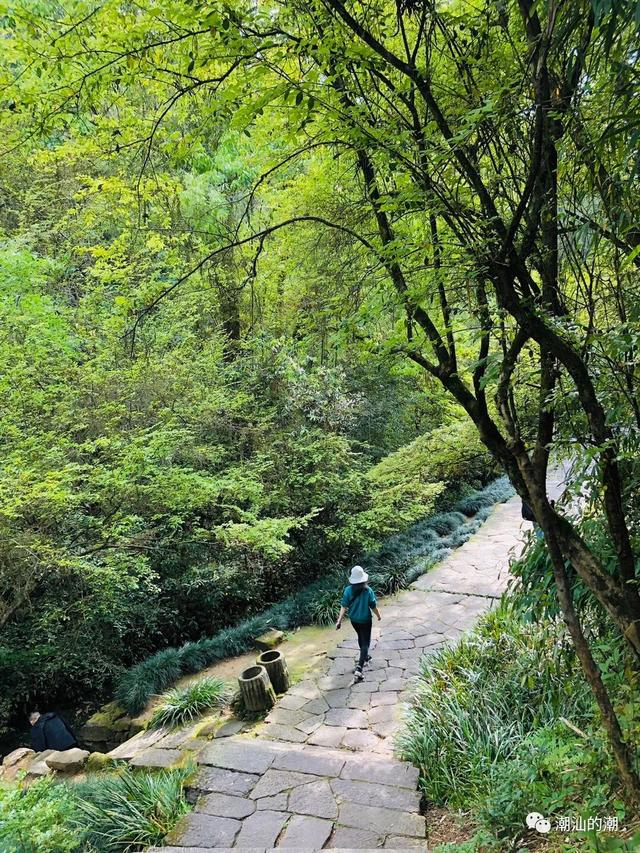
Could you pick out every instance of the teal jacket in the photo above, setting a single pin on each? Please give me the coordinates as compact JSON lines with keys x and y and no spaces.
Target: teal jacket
{"x":359,"y":604}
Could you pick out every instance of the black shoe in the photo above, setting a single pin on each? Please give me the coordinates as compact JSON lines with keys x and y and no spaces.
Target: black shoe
{"x":367,"y":660}
{"x":357,"y":674}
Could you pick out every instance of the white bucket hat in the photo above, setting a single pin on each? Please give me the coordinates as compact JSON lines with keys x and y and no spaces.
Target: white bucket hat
{"x":358,"y":575}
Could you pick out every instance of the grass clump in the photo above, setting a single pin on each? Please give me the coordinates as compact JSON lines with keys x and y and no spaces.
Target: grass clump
{"x":109,"y":813}
{"x":476,"y":702}
{"x":130,"y":811}
{"x":184,"y":704}
{"x":486,"y":727}
{"x":326,"y":606}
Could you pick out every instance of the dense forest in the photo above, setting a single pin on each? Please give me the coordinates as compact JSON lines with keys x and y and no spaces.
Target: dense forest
{"x":280,"y":279}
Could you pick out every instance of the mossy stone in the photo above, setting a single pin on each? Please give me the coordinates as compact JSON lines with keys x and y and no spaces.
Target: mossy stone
{"x":269,"y":640}
{"x":97,"y":761}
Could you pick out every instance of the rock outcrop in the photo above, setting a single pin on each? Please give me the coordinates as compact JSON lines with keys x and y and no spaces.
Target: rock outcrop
{"x":67,"y":760}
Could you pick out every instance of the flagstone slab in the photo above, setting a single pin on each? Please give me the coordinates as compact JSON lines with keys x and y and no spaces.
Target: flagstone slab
{"x":333,"y":682}
{"x":384,"y":698}
{"x":385,"y":728}
{"x":361,"y":701}
{"x":275,"y":781}
{"x":175,"y":739}
{"x":233,"y":727}
{"x":382,"y":713}
{"x":360,"y":740}
{"x":319,"y":762}
{"x":316,"y":706}
{"x":328,"y":736}
{"x":225,"y":805}
{"x":275,"y":804}
{"x":248,"y":756}
{"x":210,"y":779}
{"x":307,"y":689}
{"x":383,"y":820}
{"x":306,"y":833}
{"x":385,"y":796}
{"x":181,"y":850}
{"x":315,"y":798}
{"x":337,"y":698}
{"x":349,"y":717}
{"x":262,"y":827}
{"x":156,"y":758}
{"x":284,"y":733}
{"x":346,"y":838}
{"x":364,"y":687}
{"x":202,"y":830}
{"x":292,"y":702}
{"x":395,"y":842}
{"x":286,"y":717}
{"x":143,"y":740}
{"x":311,"y":724}
{"x":397,"y":773}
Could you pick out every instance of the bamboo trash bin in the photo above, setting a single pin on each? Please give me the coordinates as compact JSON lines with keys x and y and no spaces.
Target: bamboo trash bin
{"x":256,"y":689}
{"x":275,"y":664}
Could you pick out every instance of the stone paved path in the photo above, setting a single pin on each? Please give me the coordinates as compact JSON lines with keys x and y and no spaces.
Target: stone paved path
{"x":321,"y":772}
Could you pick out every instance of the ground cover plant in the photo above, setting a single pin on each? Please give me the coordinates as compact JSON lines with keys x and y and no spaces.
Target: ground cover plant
{"x":184,"y":704}
{"x":116,"y":812}
{"x":130,"y":810}
{"x":504,"y":723}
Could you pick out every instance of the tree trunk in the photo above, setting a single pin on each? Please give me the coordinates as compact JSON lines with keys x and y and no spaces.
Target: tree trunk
{"x":256,"y":690}
{"x":622,"y":754}
{"x":275,"y":664}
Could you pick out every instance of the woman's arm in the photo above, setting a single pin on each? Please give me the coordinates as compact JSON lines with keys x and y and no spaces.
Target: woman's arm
{"x":343,"y":610}
{"x":377,"y":612}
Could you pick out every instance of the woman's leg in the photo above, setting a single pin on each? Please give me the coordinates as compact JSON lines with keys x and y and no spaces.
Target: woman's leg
{"x":363,"y":630}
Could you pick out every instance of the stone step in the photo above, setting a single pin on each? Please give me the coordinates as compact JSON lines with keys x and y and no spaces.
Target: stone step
{"x":269,"y":849}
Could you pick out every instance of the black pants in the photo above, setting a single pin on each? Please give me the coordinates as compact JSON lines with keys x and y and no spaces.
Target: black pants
{"x":363,"y":630}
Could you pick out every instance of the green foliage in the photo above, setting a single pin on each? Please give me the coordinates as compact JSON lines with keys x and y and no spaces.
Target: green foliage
{"x":183,"y":704}
{"x":407,"y":483}
{"x":130,"y":811}
{"x":476,"y":702}
{"x":326,"y":605}
{"x":488,"y":733}
{"x":109,"y":813}
{"x":553,"y":771}
{"x":37,"y":818}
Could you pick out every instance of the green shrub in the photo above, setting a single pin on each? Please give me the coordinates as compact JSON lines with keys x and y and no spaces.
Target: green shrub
{"x":389,"y":580}
{"x":183,"y":704}
{"x":130,"y":811}
{"x":193,"y":657}
{"x":475,"y":703}
{"x":37,"y":818}
{"x":326,"y":606}
{"x":446,"y":522}
{"x":451,"y":454}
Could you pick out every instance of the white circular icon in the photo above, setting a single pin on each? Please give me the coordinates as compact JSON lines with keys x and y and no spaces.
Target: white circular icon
{"x":533,"y":818}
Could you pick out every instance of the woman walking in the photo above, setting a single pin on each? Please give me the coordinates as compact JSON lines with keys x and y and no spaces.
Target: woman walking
{"x":360,"y":600}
